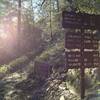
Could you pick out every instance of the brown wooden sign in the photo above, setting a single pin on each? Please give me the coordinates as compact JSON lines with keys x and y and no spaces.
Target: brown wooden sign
{"x":81,"y":48}
{"x":89,"y":56}
{"x":80,"y":20}
{"x":74,"y":59}
{"x":91,"y":44}
{"x":74,"y":41}
{"x":91,"y":59}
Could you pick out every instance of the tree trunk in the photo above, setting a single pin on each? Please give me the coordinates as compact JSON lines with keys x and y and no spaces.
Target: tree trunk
{"x":51,"y":21}
{"x":32,"y":15}
{"x":57,"y":5}
{"x":19,"y":26}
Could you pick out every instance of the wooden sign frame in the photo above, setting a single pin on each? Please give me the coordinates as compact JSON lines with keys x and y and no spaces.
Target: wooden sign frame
{"x":81,"y":21}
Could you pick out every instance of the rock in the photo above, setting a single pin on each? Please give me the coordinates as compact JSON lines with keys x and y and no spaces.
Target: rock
{"x":62,"y":98}
{"x":42,"y":69}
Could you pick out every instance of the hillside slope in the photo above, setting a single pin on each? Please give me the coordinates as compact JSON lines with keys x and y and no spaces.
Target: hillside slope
{"x":21,"y":80}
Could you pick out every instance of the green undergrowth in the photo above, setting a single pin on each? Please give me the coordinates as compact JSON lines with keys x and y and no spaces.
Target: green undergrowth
{"x":51,"y":51}
{"x":3,"y":69}
{"x":19,"y":83}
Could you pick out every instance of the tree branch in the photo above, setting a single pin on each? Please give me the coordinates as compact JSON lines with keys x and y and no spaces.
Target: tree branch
{"x":43,"y":3}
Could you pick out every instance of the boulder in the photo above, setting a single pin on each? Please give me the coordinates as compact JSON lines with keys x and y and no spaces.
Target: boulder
{"x":42,"y":69}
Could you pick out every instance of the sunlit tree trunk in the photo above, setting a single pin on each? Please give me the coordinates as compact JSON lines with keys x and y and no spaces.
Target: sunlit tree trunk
{"x":51,"y":21}
{"x":19,"y":24}
{"x":19,"y":16}
{"x":57,"y":5}
{"x":32,"y":15}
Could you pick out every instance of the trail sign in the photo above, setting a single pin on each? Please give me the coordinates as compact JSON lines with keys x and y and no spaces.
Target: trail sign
{"x":74,"y":43}
{"x":71,"y":20}
{"x":74,"y":59}
{"x":80,"y":20}
{"x":81,"y":48}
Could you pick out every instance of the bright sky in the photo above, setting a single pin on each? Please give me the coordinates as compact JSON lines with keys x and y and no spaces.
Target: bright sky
{"x":35,"y":8}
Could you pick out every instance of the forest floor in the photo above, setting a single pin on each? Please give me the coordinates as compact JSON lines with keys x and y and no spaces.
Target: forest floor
{"x":18,"y":81}
{"x":17,"y":86}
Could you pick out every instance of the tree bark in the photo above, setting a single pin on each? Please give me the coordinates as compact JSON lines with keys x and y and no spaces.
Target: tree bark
{"x":51,"y":21}
{"x":57,"y":5}
{"x":19,"y":25}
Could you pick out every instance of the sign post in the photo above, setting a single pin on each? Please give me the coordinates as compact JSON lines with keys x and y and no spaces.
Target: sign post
{"x":82,"y":83}
{"x":81,"y":47}
{"x":82,"y":70}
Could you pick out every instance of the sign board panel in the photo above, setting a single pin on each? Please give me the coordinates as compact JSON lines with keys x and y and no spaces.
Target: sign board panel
{"x":73,"y":45}
{"x":91,"y":59}
{"x":71,"y":20}
{"x":80,"y":20}
{"x":91,"y":44}
{"x":74,"y":41}
{"x":74,"y":59}
{"x":81,"y":49}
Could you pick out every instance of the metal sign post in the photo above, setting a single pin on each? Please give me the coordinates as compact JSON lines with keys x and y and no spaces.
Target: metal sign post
{"x":81,"y":47}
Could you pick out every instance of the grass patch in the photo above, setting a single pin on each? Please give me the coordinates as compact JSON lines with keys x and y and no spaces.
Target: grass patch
{"x":3,"y":69}
{"x":51,"y":51}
